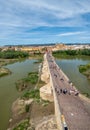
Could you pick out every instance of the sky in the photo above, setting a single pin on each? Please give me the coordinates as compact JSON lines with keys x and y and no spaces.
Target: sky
{"x":44,"y":21}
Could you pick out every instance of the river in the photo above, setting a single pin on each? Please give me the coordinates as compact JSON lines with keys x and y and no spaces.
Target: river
{"x":8,"y":92}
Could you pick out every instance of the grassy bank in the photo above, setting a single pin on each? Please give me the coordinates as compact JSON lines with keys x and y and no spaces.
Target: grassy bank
{"x":22,"y":125}
{"x":71,"y":53}
{"x":30,"y":80}
{"x":11,"y":54}
{"x":85,"y":69}
{"x":34,"y":94}
{"x":32,"y":77}
{"x":4,"y":62}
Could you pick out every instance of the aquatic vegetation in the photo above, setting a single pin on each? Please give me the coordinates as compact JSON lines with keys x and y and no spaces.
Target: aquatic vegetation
{"x":85,"y":69}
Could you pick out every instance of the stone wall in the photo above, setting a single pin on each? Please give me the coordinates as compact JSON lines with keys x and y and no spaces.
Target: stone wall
{"x":45,"y":93}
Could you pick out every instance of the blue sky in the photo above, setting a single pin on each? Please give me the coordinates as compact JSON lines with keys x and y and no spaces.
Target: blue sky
{"x":44,"y":21}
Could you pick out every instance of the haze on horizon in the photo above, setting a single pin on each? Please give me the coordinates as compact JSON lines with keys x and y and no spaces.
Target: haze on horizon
{"x":44,"y":21}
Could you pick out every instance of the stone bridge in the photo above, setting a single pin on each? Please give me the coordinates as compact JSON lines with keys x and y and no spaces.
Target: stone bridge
{"x":70,"y":112}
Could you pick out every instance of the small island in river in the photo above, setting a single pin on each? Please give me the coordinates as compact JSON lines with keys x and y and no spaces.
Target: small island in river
{"x":4,"y":71}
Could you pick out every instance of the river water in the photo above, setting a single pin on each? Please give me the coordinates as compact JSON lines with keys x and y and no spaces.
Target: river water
{"x":8,"y":92}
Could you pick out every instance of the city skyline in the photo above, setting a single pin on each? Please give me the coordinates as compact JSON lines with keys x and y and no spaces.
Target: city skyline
{"x":33,"y":22}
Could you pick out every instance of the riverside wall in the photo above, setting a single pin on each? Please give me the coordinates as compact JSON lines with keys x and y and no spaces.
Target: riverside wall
{"x":56,"y":104}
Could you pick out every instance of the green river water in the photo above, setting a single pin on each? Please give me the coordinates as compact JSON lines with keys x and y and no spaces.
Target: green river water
{"x":8,"y":92}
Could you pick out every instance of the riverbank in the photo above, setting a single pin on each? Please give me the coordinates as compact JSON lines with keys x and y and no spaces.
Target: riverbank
{"x":85,"y":69}
{"x":4,"y":71}
{"x":4,"y":62}
{"x":11,"y":56}
{"x":27,"y":82}
{"x":71,"y":53}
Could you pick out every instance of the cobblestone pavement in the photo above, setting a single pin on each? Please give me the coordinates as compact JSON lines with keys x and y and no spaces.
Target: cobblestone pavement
{"x":71,"y":106}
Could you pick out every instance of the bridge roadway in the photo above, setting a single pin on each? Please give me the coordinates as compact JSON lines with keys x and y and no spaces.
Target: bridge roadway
{"x":73,"y":109}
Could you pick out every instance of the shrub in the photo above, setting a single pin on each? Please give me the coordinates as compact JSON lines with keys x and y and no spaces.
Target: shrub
{"x":32,"y":94}
{"x":23,"y":125}
{"x":27,"y":108}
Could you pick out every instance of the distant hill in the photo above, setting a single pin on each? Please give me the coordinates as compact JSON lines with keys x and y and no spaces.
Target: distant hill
{"x":48,"y":44}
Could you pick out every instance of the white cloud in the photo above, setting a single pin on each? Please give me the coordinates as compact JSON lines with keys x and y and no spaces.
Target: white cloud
{"x":38,"y":12}
{"x":70,"y":33}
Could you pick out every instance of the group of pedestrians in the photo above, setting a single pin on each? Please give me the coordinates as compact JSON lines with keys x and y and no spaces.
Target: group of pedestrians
{"x":65,"y":91}
{"x":73,"y":91}
{"x":59,"y":91}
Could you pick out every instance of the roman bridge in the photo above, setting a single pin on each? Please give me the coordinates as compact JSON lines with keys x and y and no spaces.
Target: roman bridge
{"x":70,"y":112}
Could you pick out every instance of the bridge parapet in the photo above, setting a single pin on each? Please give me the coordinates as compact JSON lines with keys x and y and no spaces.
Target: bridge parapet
{"x":56,"y":104}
